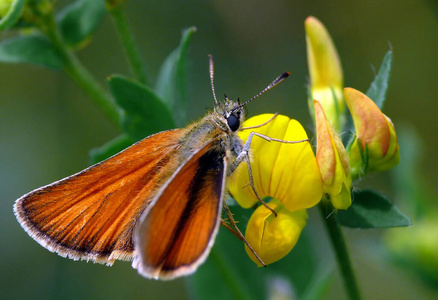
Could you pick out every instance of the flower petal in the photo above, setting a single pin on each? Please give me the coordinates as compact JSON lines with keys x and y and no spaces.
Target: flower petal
{"x":287,"y":172}
{"x":273,"y":237}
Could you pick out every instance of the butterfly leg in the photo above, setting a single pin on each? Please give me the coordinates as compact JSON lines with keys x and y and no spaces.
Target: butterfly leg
{"x":232,"y":230}
{"x":238,"y":233}
{"x":243,"y":155}
{"x":260,"y":125}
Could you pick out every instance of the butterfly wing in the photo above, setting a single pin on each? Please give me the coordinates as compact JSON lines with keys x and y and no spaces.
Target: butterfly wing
{"x":91,"y":215}
{"x":177,"y":230}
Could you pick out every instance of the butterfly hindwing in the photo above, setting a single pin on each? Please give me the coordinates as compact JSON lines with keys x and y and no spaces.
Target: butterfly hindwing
{"x":177,"y":231}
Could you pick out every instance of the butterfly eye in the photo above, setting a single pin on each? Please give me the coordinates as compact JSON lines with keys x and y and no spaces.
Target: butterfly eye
{"x":233,"y":122}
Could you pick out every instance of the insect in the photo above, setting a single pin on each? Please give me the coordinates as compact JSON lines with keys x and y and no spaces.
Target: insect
{"x":158,"y":202}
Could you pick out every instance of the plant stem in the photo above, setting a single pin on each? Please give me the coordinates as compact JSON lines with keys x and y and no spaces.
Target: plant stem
{"x":134,"y":59}
{"x":341,"y":251}
{"x":79,"y":74}
{"x":89,"y":85}
{"x":228,"y":275}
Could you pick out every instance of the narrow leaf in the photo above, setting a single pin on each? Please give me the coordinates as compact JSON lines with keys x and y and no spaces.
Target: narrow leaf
{"x":78,"y":21}
{"x":379,"y":86}
{"x":171,"y":82}
{"x":372,"y":210}
{"x":145,"y":113}
{"x":111,"y":148}
{"x":13,"y":14}
{"x":376,"y":92}
{"x":33,"y":49}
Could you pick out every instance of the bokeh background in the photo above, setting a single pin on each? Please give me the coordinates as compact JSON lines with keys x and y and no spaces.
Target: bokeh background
{"x":47,"y":126}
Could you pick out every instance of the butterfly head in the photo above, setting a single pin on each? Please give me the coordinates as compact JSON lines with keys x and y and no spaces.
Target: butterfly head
{"x":233,"y":111}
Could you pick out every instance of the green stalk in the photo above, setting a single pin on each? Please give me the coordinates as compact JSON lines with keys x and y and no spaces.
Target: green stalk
{"x":126,"y":38}
{"x":341,"y":251}
{"x":78,"y":73}
{"x":229,"y":277}
{"x":89,"y":85}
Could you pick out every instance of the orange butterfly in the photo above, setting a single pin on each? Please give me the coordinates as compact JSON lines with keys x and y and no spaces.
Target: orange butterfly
{"x":158,"y":202}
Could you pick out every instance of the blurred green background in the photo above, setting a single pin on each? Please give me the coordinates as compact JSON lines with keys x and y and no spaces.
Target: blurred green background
{"x":47,"y":126}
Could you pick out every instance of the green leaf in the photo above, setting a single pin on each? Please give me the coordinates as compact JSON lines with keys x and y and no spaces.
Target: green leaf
{"x":145,"y":113}
{"x":78,"y":21}
{"x":372,"y":210}
{"x":379,"y":86}
{"x":171,"y":82}
{"x":229,"y":273}
{"x":376,"y":92}
{"x":413,"y":190}
{"x":33,"y":49}
{"x":111,"y":148}
{"x":13,"y":14}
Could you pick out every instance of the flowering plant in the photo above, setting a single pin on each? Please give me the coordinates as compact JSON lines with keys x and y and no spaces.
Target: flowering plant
{"x":290,"y":178}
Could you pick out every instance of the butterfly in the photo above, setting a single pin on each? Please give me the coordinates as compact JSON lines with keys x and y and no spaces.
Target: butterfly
{"x":158,"y":202}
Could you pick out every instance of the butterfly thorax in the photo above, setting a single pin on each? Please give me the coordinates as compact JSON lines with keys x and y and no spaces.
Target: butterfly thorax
{"x":219,"y":127}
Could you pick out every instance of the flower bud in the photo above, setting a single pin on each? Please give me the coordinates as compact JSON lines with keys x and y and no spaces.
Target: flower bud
{"x":10,"y":13}
{"x":326,"y":78}
{"x":5,"y":5}
{"x":375,"y":146}
{"x":332,"y":160}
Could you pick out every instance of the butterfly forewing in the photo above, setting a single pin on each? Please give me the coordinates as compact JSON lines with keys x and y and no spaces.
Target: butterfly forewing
{"x":92,"y":214}
{"x":176,"y":232}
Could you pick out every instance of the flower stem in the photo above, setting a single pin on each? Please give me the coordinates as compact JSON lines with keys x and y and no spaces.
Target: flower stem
{"x":341,"y":251}
{"x":79,"y":74}
{"x":126,"y":38}
{"x":229,"y":277}
{"x":89,"y":85}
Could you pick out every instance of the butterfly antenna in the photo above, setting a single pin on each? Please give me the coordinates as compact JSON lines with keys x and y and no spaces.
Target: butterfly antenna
{"x":274,"y":83}
{"x":212,"y":78}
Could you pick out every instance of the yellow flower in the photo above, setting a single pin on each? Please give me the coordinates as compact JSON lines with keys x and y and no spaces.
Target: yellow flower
{"x":326,"y":78}
{"x":332,"y":160}
{"x":272,"y":237}
{"x":287,"y":172}
{"x":375,"y":147}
